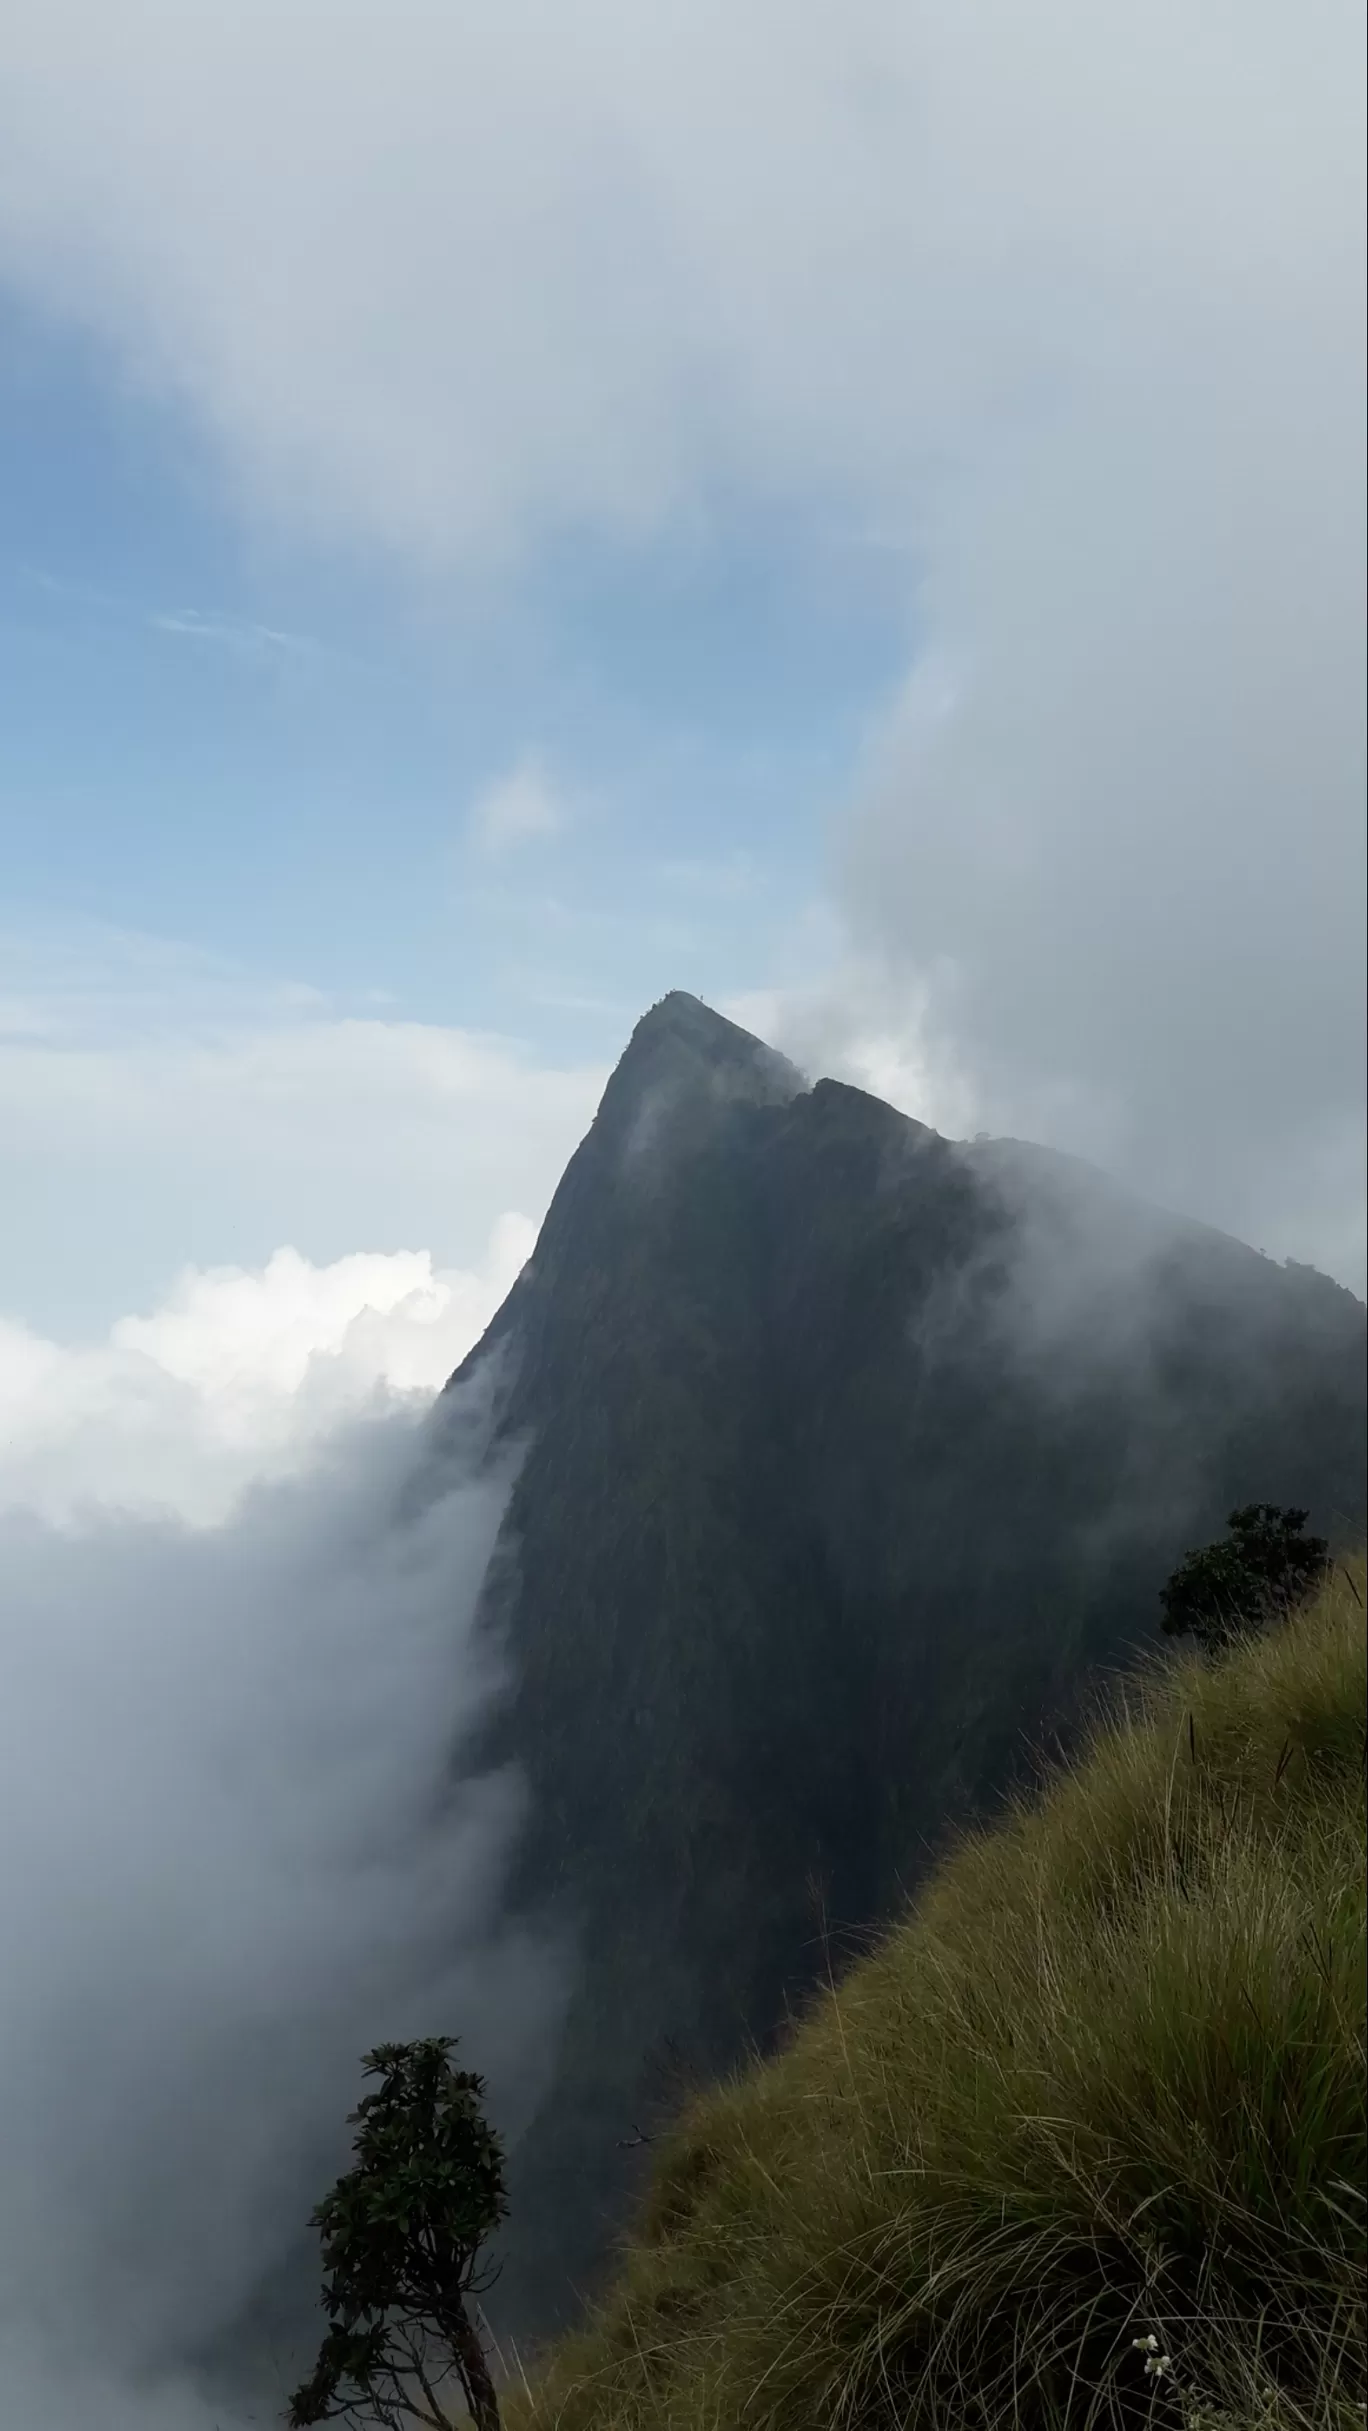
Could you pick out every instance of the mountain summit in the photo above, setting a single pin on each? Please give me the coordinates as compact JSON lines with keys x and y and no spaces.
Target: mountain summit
{"x":850,"y":1456}
{"x":682,"y":1066}
{"x":682,"y":1046}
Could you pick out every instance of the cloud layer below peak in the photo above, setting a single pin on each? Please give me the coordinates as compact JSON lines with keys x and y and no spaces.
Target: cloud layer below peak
{"x":238,"y":1375}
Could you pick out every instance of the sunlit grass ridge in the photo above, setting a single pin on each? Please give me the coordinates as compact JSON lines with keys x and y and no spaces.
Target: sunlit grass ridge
{"x":1106,"y":2084}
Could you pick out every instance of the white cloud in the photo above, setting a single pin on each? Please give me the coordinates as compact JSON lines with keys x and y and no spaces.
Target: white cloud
{"x":232,"y":1759}
{"x":476,"y":274}
{"x":1122,"y":853}
{"x":516,"y":808}
{"x":158,"y":1109}
{"x":238,"y":1580}
{"x":872,"y":1036}
{"x":1067,"y":300}
{"x":234,"y":1377}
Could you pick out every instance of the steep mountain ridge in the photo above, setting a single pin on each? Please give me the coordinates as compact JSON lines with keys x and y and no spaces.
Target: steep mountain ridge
{"x":848,"y":1454}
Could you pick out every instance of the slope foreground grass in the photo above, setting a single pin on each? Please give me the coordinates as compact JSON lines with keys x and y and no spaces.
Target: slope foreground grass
{"x":1106,"y":2084}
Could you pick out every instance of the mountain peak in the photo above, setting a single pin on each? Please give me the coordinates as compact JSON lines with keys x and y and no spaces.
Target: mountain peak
{"x":684,"y":1055}
{"x":689,"y":1024}
{"x":841,"y":1462}
{"x":676,"y":1009}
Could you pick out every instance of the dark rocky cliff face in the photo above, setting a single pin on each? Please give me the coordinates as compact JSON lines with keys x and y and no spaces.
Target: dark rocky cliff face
{"x":852,"y":1455}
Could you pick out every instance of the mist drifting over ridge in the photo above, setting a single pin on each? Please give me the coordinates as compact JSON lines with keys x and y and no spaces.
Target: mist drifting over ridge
{"x":244,"y":1844}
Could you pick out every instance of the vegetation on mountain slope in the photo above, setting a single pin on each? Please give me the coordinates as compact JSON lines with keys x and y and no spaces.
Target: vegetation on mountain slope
{"x":1259,"y":1571}
{"x":403,"y":2231}
{"x":1083,"y":2142}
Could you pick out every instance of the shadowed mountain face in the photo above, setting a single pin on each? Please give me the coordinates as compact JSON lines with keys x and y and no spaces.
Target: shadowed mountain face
{"x":852,"y":1454}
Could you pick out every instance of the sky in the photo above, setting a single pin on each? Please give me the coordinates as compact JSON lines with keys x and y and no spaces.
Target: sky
{"x":852,"y":510}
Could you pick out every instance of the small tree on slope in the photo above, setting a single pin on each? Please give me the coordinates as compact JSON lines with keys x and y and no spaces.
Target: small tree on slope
{"x":1258,"y":1573}
{"x":402,"y":2233}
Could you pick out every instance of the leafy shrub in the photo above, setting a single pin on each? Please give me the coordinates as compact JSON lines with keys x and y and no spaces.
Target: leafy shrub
{"x":1259,"y":1573}
{"x":402,"y":2233}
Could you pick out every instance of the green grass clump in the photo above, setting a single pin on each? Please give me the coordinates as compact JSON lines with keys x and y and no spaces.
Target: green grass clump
{"x":1106,"y":2084}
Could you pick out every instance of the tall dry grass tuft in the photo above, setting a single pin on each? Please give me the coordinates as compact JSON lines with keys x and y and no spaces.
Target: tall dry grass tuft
{"x":1083,"y":2143}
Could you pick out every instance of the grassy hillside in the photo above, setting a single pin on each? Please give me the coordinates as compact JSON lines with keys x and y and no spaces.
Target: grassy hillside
{"x":1106,"y":2083}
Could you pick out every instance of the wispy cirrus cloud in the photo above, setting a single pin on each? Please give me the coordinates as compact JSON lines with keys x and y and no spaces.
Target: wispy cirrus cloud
{"x":244,"y":636}
{"x":240,"y":634}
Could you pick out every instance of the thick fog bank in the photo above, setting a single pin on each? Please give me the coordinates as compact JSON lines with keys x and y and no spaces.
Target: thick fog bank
{"x":240,"y":1849}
